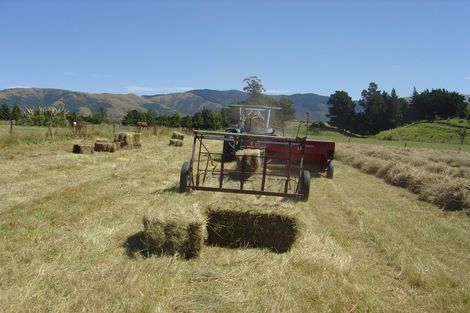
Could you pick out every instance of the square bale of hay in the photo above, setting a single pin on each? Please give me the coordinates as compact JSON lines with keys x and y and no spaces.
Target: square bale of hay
{"x":101,"y":140}
{"x":82,"y":149}
{"x":252,"y":228}
{"x":176,"y":142}
{"x":125,"y":140}
{"x":250,"y":159}
{"x":177,"y":135}
{"x":174,"y":231}
{"x":105,"y":147}
{"x":136,"y":140}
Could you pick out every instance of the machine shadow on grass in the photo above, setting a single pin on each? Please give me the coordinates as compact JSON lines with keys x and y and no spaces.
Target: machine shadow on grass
{"x":169,"y":189}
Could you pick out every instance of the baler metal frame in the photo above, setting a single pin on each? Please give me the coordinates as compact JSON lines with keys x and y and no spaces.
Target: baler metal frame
{"x":297,"y":180}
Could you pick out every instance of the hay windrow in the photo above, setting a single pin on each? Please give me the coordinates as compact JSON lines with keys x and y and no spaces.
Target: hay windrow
{"x":174,"y":231}
{"x":437,"y":177}
{"x":242,"y":227}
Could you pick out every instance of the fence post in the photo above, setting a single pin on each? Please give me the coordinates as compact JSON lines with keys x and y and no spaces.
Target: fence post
{"x":114,"y":129}
{"x":11,"y":127}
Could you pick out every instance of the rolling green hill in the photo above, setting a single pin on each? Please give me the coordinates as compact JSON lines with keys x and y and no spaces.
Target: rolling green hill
{"x":442,"y":131}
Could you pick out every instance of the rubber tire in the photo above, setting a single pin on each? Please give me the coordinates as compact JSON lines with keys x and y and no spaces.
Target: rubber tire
{"x":330,"y":170}
{"x":184,"y":177}
{"x":305,"y":186}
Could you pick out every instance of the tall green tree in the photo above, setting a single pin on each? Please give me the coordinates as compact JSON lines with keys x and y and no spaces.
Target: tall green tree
{"x":15,"y":112}
{"x":175,"y":120}
{"x":374,"y":107}
{"x":4,"y":112}
{"x":187,"y":121}
{"x":253,"y":86}
{"x":342,"y":113}
{"x":151,"y":115}
{"x":437,"y":103}
{"x":286,"y":112}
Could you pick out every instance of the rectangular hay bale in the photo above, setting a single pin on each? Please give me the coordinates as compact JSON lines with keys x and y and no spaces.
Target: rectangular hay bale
{"x":126,"y":140}
{"x":105,"y":147}
{"x":251,"y":229}
{"x":176,"y":142}
{"x":251,"y":158}
{"x":177,"y":135}
{"x":136,"y":140}
{"x":82,"y":149}
{"x":176,"y":231}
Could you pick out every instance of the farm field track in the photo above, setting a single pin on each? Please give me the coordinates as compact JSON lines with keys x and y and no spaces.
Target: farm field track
{"x":364,"y":245}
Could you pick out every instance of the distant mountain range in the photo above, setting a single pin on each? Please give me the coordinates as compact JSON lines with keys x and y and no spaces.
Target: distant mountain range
{"x":186,"y":103}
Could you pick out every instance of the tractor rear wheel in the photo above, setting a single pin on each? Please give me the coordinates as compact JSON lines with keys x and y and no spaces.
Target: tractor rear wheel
{"x":305,"y":185}
{"x":184,"y":177}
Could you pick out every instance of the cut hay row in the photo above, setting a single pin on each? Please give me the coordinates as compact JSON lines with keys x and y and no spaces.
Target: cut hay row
{"x":438,"y":187}
{"x":449,"y":163}
{"x":237,"y":227}
{"x":174,"y":231}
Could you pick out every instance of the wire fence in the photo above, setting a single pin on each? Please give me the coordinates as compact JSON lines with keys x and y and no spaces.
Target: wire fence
{"x":10,"y":133}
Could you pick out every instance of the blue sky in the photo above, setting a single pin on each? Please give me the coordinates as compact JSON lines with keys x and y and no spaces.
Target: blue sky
{"x":151,"y":47}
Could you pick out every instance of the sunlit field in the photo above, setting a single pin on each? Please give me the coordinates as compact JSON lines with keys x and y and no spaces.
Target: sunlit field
{"x":363,"y":245}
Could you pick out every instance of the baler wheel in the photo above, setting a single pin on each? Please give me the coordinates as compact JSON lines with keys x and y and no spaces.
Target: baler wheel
{"x":305,"y":185}
{"x":330,"y":170}
{"x":184,"y":177}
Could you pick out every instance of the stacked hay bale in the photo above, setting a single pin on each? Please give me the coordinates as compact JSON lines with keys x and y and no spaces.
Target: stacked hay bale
{"x":249,"y":161}
{"x":102,"y":145}
{"x":176,"y":139}
{"x":82,"y":149}
{"x":275,"y":229}
{"x":127,"y":140}
{"x":174,"y":231}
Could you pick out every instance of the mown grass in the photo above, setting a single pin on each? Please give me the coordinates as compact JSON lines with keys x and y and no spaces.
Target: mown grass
{"x":364,"y":245}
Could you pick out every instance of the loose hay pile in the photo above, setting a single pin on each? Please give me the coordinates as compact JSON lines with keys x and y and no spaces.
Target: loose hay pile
{"x":176,"y":142}
{"x":82,"y":149}
{"x":127,"y":140}
{"x":237,"y":227}
{"x":442,"y":178}
{"x":174,"y":231}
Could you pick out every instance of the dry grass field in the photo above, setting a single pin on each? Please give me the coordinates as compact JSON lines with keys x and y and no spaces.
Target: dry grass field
{"x":363,"y":246}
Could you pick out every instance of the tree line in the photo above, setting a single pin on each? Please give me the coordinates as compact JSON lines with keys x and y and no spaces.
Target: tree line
{"x":379,"y":110}
{"x":208,"y":120}
{"x":44,"y":116}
